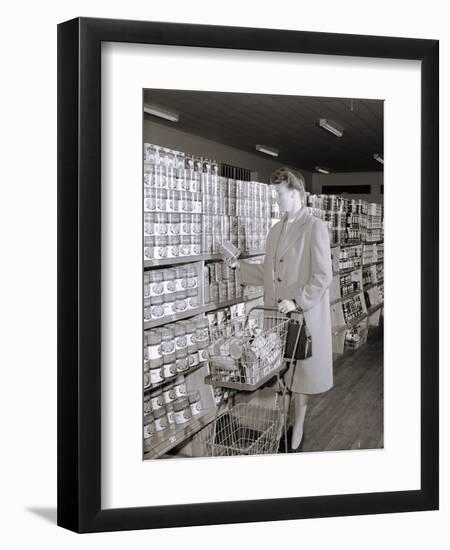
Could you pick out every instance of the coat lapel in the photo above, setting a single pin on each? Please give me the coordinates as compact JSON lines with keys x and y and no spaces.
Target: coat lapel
{"x":293,"y":232}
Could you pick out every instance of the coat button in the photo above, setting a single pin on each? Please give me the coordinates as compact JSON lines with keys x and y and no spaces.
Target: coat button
{"x":281,"y":260}
{"x":279,"y":280}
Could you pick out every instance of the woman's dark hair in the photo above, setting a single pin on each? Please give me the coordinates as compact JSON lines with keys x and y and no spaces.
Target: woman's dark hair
{"x":293,"y":178}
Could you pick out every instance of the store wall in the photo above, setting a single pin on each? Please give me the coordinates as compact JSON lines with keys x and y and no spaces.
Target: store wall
{"x":166,"y":136}
{"x":374,"y":179}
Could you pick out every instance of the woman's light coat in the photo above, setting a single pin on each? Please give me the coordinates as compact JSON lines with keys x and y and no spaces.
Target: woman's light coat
{"x":298,"y":266}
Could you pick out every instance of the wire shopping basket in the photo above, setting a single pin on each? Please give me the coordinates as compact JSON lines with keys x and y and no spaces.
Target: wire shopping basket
{"x":246,"y":351}
{"x":245,"y":429}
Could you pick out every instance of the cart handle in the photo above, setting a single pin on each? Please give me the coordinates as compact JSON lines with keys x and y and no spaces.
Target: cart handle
{"x":267,"y":308}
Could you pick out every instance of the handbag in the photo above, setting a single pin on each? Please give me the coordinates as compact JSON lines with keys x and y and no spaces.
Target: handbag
{"x":298,"y":339}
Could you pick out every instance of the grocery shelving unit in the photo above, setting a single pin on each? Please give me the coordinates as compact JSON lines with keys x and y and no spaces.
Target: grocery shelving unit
{"x":368,"y":294}
{"x":356,"y":299}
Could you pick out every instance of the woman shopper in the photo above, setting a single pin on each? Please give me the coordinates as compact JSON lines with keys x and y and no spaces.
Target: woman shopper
{"x":296,"y":274}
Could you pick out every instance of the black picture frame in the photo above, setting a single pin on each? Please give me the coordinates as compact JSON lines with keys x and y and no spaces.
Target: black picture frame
{"x":79,"y":274}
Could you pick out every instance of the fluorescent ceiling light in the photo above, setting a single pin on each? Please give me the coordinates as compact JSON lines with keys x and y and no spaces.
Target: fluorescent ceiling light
{"x":322,"y":169}
{"x":378,"y":157}
{"x":268,"y":150}
{"x":331,"y":126}
{"x":161,"y":113}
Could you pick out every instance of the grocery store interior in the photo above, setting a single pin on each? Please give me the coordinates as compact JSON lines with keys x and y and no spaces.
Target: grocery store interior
{"x":207,"y":161}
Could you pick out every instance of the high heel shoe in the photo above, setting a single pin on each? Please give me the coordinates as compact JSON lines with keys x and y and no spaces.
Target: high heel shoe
{"x":299,"y":446}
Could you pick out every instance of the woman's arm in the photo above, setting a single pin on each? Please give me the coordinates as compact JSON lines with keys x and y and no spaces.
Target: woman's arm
{"x":321,"y":268}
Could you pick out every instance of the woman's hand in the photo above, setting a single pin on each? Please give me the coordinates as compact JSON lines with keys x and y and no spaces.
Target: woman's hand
{"x":286,"y":306}
{"x":231,"y":262}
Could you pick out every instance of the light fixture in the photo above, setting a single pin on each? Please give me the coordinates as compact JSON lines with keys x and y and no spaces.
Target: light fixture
{"x":378,"y":157}
{"x":322,"y":169}
{"x":331,"y":126}
{"x":161,"y":113}
{"x":268,"y":150}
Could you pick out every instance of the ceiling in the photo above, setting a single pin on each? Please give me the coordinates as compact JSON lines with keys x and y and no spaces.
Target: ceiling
{"x":286,"y":123}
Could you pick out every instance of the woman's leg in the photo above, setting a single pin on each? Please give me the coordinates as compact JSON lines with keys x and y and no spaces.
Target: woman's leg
{"x":300,"y":403}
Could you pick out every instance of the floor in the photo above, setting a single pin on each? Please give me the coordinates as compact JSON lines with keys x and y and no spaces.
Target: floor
{"x":350,"y":415}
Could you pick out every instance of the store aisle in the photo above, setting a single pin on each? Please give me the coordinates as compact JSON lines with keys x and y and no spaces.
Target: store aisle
{"x":350,"y":415}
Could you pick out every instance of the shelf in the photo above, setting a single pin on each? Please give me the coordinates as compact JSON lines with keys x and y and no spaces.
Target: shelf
{"x":368,"y":287}
{"x":345,"y":245}
{"x":197,"y":311}
{"x":148,"y":264}
{"x":348,"y":296}
{"x":370,"y":311}
{"x":373,"y":263}
{"x":347,"y":270}
{"x":168,"y":381}
{"x":373,"y":309}
{"x":163,"y":441}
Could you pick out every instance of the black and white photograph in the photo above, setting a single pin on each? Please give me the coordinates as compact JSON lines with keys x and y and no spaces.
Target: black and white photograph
{"x":263,"y":250}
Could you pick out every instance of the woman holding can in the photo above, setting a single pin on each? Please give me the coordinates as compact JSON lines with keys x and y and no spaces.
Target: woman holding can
{"x":296,"y":275}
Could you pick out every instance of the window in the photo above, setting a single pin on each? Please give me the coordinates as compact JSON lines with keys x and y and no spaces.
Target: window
{"x":235,"y":172}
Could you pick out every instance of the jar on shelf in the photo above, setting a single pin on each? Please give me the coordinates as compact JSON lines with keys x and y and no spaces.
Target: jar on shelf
{"x":194,"y":402}
{"x":192,"y":276}
{"x":190,"y":328}
{"x":161,"y":200}
{"x":180,"y":337}
{"x":157,"y":400}
{"x":172,"y":201}
{"x":161,"y":223}
{"x":149,"y":242}
{"x":185,"y":202}
{"x":185,"y":245}
{"x":144,"y":341}
{"x":169,"y":280}
{"x":149,"y":199}
{"x":173,"y":246}
{"x":196,"y":224}
{"x":147,"y":404}
{"x":170,"y":413}
{"x":160,"y":247}
{"x":202,"y":337}
{"x":192,"y":298}
{"x":185,"y":223}
{"x":149,"y":430}
{"x":180,"y":278}
{"x":196,"y":244}
{"x":156,"y":371}
{"x":169,"y":394}
{"x":180,"y":301}
{"x":179,"y":386}
{"x":182,"y":410}
{"x":149,"y":223}
{"x":160,"y":417}
{"x":167,"y":340}
{"x":147,"y":382}
{"x":181,"y":361}
{"x":196,"y":203}
{"x":154,"y":339}
{"x":193,"y":359}
{"x":174,"y":223}
{"x":156,"y":279}
{"x":169,"y":365}
{"x":146,"y":284}
{"x":147,"y":309}
{"x":156,"y":306}
{"x":170,"y":304}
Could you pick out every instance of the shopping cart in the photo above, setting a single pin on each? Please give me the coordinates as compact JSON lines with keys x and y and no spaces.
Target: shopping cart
{"x":244,"y":355}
